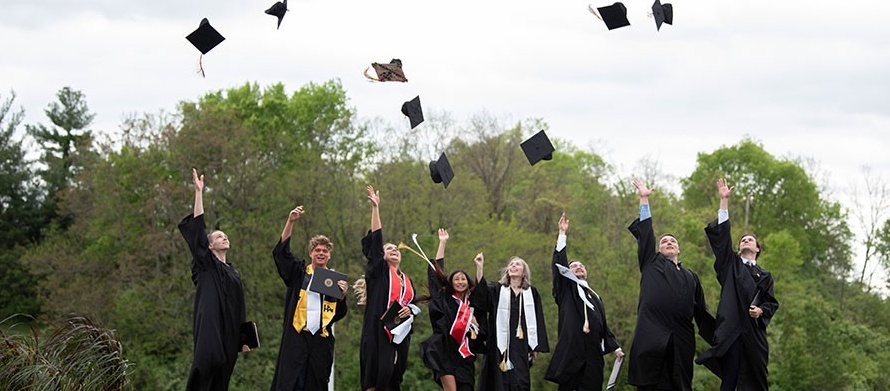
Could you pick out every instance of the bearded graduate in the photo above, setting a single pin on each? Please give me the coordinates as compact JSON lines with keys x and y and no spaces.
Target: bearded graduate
{"x":515,"y":327}
{"x":584,"y":335}
{"x":450,"y":351}
{"x":388,"y":291}
{"x":306,"y":355}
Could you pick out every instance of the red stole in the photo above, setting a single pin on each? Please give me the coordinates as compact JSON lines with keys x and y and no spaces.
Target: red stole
{"x":459,"y":327}
{"x":403,"y":293}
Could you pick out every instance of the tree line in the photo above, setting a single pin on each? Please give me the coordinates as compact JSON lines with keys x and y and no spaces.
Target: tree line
{"x":89,"y":227}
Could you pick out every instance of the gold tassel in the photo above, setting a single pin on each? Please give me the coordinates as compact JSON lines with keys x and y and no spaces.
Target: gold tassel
{"x":586,"y":328}
{"x":503,"y":365}
{"x":472,"y":334}
{"x":519,"y":334}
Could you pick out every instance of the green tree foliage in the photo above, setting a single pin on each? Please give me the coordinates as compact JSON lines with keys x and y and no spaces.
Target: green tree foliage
{"x":61,"y":142}
{"x":19,"y":219}
{"x":264,"y":151}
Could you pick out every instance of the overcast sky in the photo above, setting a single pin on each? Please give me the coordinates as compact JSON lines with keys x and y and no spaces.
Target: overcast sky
{"x":804,"y":78}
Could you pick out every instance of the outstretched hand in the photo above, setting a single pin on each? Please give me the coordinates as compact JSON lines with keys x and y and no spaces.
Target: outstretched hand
{"x":724,"y":190}
{"x":443,"y":235}
{"x":479,"y":260}
{"x":563,"y":223}
{"x":642,"y":190}
{"x":373,"y":196}
{"x":295,"y":214}
{"x":198,"y":180}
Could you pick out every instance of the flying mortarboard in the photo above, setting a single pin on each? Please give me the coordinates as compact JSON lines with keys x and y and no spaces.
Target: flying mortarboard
{"x":614,"y":15}
{"x":440,"y":170}
{"x":663,"y":13}
{"x":537,"y":148}
{"x":413,"y":110}
{"x":278,"y":9}
{"x":204,"y":39}
{"x":387,"y":72}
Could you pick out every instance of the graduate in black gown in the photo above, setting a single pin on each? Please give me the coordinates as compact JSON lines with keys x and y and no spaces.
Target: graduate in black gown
{"x":306,"y":355}
{"x":384,"y":352}
{"x":671,"y":296}
{"x":584,"y":335}
{"x":450,"y":351}
{"x":219,"y":301}
{"x":747,"y":304}
{"x":515,"y":327}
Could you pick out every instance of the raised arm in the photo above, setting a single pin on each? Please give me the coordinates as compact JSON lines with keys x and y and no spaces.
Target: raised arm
{"x":289,"y":224}
{"x":480,"y":263}
{"x":560,"y":257}
{"x":199,"y":193}
{"x":643,"y":192}
{"x":443,"y":239}
{"x":725,"y":192}
{"x":642,"y":227}
{"x":374,"y":197}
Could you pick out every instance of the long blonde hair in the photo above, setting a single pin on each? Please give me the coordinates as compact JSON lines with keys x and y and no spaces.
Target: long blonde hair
{"x":526,"y":273}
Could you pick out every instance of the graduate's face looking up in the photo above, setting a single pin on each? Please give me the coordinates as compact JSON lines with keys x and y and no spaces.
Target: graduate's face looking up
{"x":579,"y":270}
{"x":392,"y":254}
{"x":669,"y":247}
{"x":459,"y":282}
{"x":516,"y":268}
{"x":749,"y":243}
{"x":218,"y":241}
{"x":321,"y":254}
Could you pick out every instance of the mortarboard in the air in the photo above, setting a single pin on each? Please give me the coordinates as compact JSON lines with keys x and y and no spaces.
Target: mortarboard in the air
{"x":278,"y":9}
{"x":387,"y":72}
{"x":413,"y":110}
{"x":663,"y":13}
{"x":204,"y":39}
{"x":537,"y":148}
{"x":440,"y":170}
{"x":614,"y":15}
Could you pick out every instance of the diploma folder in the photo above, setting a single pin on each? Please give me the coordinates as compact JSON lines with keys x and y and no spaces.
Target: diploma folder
{"x":616,"y":369}
{"x":249,"y":335}
{"x":391,"y":317}
{"x":324,"y":281}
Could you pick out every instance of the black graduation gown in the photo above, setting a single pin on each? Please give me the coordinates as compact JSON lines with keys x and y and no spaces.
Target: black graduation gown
{"x":218,"y":314}
{"x":298,"y":350}
{"x":486,"y":297}
{"x":578,"y":353}
{"x":670,"y":298}
{"x":440,"y":351}
{"x":379,"y":366}
{"x":738,"y":286}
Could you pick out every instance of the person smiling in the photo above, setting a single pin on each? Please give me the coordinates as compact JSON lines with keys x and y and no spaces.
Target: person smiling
{"x":449,"y":352}
{"x":515,"y":326}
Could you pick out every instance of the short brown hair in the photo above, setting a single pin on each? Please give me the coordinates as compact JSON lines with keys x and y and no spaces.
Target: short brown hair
{"x":320,"y":240}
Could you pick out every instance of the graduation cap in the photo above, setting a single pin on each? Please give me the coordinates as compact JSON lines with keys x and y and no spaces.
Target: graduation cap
{"x":412,"y":109}
{"x":278,"y":9}
{"x":614,"y":15}
{"x":663,"y":13}
{"x":537,"y":148}
{"x":387,"y":72}
{"x":204,"y":39}
{"x":440,"y":170}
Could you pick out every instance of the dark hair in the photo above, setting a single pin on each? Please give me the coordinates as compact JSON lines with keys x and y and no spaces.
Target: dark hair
{"x":445,"y":285}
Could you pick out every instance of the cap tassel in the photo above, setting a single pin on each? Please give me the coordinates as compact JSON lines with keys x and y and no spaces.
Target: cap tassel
{"x":503,"y":364}
{"x":201,"y":65}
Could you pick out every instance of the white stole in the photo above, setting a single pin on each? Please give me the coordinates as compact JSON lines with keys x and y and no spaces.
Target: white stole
{"x":503,"y":321}
{"x":313,"y":305}
{"x":567,"y":273}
